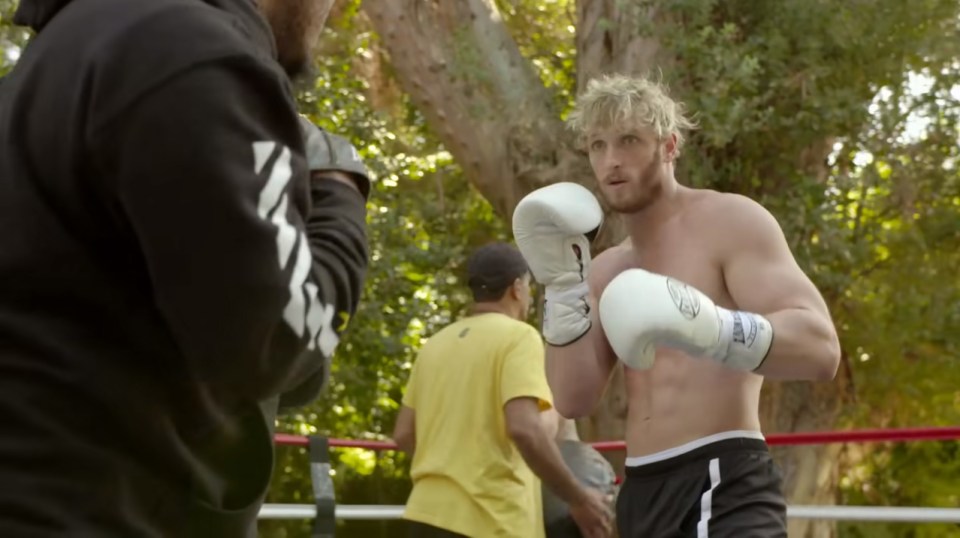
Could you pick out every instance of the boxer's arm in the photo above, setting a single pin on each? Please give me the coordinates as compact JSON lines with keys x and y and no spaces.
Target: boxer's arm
{"x":579,"y":372}
{"x":763,"y":277}
{"x":205,"y":171}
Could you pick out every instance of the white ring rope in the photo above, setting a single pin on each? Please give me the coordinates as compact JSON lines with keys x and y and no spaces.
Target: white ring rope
{"x":343,"y":511}
{"x":914,"y":514}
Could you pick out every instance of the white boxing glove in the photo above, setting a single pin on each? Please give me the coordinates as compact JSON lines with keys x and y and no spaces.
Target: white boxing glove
{"x":550,"y":226}
{"x":640,"y":310}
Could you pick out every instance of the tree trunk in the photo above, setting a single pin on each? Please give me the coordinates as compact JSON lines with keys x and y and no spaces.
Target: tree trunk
{"x":615,"y":37}
{"x":458,"y":62}
{"x":481,"y":97}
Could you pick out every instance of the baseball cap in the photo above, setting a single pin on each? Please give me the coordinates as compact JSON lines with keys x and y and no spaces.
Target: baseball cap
{"x":493,"y":268}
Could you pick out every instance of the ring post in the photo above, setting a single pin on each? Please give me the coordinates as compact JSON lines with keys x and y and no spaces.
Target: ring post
{"x":325,"y":523}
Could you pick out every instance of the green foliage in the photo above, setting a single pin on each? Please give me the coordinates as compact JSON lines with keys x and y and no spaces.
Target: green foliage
{"x":891,"y":477}
{"x":768,"y":79}
{"x":544,"y":31}
{"x":12,"y":38}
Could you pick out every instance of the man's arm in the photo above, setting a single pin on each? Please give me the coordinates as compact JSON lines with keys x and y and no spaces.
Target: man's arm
{"x":579,"y":372}
{"x":254,"y":268}
{"x":550,"y":420}
{"x":538,"y":448}
{"x":524,"y":393}
{"x":405,"y":430}
{"x":558,"y":427}
{"x":763,"y":277}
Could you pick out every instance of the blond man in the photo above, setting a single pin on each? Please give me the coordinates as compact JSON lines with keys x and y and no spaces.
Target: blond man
{"x":700,"y":303}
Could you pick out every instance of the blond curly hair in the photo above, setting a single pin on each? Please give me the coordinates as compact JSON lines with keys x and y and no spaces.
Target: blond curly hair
{"x":617,"y":99}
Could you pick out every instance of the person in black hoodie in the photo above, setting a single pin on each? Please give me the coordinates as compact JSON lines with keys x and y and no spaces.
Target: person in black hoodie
{"x":179,"y":252}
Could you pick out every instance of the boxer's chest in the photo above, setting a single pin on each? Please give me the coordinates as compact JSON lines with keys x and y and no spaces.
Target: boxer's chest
{"x":686,"y":253}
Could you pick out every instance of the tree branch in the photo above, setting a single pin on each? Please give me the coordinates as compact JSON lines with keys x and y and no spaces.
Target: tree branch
{"x":484,"y":100}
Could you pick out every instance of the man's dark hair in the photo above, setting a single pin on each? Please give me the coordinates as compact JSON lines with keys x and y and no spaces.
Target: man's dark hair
{"x":492,"y":269}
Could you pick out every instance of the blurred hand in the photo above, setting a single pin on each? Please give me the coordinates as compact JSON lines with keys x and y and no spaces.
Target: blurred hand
{"x":592,"y":514}
{"x":333,"y":157}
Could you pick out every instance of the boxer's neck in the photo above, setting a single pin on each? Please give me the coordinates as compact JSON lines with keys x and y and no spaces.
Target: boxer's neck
{"x":642,"y":224}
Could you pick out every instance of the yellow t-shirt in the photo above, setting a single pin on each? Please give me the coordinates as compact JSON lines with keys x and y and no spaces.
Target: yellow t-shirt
{"x":468,"y":476}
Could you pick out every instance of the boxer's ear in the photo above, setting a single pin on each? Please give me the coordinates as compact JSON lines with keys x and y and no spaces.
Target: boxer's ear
{"x":669,"y":148}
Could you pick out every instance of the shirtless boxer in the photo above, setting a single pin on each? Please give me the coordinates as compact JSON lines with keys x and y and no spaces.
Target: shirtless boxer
{"x":701,"y":302}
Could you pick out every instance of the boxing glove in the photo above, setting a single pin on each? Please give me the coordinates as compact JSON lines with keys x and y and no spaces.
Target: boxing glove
{"x":640,"y":310}
{"x":326,"y":151}
{"x":550,"y":227}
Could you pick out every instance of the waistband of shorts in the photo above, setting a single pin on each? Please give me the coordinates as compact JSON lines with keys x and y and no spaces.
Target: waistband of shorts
{"x":707,"y":447}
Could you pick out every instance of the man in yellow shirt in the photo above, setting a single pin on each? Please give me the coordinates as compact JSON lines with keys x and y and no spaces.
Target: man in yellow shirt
{"x":471,"y":419}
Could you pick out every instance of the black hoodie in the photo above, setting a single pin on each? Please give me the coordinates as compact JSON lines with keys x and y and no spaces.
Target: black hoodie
{"x":166,"y":266}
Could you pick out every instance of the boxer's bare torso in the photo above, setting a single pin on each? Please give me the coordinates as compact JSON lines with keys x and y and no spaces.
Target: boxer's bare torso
{"x":681,"y":398}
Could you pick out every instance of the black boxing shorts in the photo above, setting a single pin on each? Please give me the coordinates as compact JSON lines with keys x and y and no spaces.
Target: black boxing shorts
{"x":721,"y":486}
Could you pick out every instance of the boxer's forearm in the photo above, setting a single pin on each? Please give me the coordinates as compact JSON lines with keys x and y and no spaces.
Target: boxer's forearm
{"x":578,"y":373}
{"x":575,"y":378}
{"x":805,"y":347}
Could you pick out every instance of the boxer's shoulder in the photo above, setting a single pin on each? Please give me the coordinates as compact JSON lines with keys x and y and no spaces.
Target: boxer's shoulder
{"x":731,"y":208}
{"x":729,"y":218}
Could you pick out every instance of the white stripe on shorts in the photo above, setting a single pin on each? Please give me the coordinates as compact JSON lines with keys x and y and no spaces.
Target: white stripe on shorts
{"x":706,"y":500}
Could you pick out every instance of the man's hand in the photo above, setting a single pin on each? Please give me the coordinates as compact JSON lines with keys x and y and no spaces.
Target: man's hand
{"x":333,"y":157}
{"x":592,"y":514}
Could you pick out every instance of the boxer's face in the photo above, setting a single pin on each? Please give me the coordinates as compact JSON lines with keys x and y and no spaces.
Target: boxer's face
{"x":296,"y":26}
{"x":628,"y":163}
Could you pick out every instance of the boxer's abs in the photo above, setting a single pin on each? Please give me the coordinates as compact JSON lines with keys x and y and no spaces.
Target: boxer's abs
{"x":682,"y":399}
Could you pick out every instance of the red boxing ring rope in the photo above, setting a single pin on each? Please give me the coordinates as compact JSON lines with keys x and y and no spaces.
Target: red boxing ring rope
{"x":850,"y":513}
{"x":786,"y":439}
